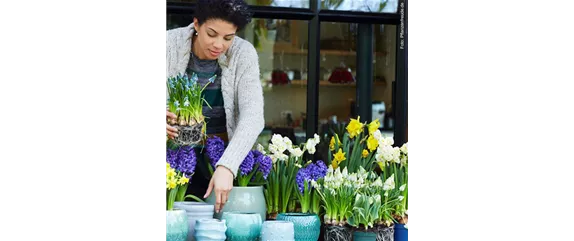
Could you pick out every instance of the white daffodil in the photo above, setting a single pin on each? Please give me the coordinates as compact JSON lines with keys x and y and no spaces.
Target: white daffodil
{"x":312,"y":150}
{"x":273,"y":148}
{"x":277,"y":139}
{"x":296,"y":152}
{"x":396,"y":155}
{"x":315,"y":185}
{"x":378,"y":198}
{"x":316,"y":139}
{"x":345,"y":172}
{"x":401,"y":198}
{"x":377,"y":135}
{"x":386,"y":193}
{"x":281,"y":156}
{"x":310,"y":146}
{"x":298,"y":165}
{"x":405,"y":148}
{"x":287,"y":141}
{"x":261,"y":149}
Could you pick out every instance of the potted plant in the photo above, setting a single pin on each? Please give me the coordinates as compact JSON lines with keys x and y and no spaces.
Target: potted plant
{"x":186,"y":102}
{"x":247,"y":193}
{"x":176,"y":219}
{"x":393,"y":161}
{"x":307,"y":223}
{"x":182,"y":160}
{"x":363,"y":216}
{"x":337,"y":191}
{"x":280,"y":186}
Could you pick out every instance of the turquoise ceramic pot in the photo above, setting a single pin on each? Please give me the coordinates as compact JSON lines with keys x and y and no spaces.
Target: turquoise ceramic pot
{"x":364,"y":236}
{"x":242,"y":226}
{"x":307,"y":225}
{"x":194,"y":211}
{"x":242,"y":199}
{"x":176,"y":225}
{"x":210,"y":230}
{"x":277,"y":231}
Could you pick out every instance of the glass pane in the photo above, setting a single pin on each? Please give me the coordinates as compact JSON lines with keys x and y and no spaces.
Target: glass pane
{"x":384,"y":76}
{"x":178,"y":20}
{"x":337,"y":88}
{"x":273,"y":3}
{"x":282,"y":48}
{"x":378,"y":6}
{"x":281,"y":3}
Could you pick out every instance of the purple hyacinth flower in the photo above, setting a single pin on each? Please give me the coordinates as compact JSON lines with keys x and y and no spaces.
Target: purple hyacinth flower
{"x":186,"y":160}
{"x":247,"y":164}
{"x":303,"y":176}
{"x":265,"y":165}
{"x":214,"y":149}
{"x":321,"y":170}
{"x":171,"y":158}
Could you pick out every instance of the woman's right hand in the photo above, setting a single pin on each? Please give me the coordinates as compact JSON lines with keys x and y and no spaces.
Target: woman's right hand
{"x":171,"y":131}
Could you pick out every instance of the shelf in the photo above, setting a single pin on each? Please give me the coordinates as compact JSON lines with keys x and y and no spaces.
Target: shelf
{"x":325,"y":52}
{"x":327,"y":83}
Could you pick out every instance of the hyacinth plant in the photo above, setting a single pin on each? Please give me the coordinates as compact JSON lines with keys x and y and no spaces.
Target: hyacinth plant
{"x":182,"y":161}
{"x":306,"y":179}
{"x":254,"y":169}
{"x":186,"y":102}
{"x":357,"y":147}
{"x":280,"y":192}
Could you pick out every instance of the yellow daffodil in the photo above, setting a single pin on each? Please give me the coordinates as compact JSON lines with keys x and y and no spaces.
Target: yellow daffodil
{"x":171,"y":184}
{"x":372,"y":143}
{"x":374,"y":126}
{"x":171,"y":173}
{"x":338,"y":158}
{"x":365,"y":153}
{"x":355,"y":127}
{"x":183,"y":180}
{"x":332,"y":143}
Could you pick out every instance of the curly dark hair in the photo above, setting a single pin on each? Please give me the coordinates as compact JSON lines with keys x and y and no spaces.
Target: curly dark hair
{"x":233,"y":11}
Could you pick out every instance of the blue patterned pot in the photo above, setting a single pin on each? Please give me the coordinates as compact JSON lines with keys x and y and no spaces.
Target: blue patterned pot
{"x":210,"y":230}
{"x":176,"y":225}
{"x":364,"y":236}
{"x":195,"y":211}
{"x":242,"y":199}
{"x":242,"y":226}
{"x":307,"y":225}
{"x":277,"y":231}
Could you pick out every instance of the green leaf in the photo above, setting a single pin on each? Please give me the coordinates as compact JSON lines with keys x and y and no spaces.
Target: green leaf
{"x":194,"y":198}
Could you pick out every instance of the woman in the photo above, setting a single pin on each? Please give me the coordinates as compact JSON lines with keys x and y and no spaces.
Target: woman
{"x":209,"y":46}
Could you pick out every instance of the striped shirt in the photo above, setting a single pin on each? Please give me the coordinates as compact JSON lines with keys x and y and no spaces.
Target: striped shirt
{"x":214,"y":116}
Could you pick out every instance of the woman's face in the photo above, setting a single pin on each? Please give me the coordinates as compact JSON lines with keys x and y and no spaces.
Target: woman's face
{"x":214,"y":38}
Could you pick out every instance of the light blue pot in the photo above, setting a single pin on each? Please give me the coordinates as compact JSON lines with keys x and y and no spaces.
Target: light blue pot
{"x":307,"y":225}
{"x":176,"y":225}
{"x":277,"y":231}
{"x":195,"y":211}
{"x":242,"y":226}
{"x":242,"y":199}
{"x":210,"y":230}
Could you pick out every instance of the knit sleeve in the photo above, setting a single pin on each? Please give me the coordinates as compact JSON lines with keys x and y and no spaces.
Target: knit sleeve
{"x":250,"y":121}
